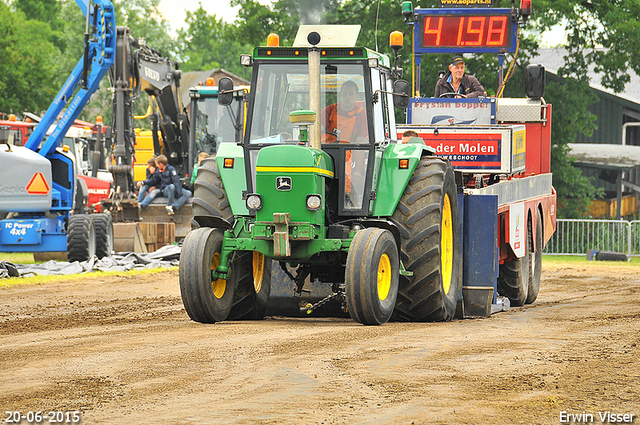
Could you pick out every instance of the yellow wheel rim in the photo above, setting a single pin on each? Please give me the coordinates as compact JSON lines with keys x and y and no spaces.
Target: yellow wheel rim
{"x":219,"y":286}
{"x":258,"y":270}
{"x":446,"y":244}
{"x":384,"y":277}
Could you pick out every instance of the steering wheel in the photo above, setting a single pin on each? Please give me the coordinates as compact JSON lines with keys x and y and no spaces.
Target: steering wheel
{"x":452,"y":94}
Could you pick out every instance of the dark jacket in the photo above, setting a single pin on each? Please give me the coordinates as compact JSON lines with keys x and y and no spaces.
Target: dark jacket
{"x":164,"y":179}
{"x":469,"y":86}
{"x":149,"y":174}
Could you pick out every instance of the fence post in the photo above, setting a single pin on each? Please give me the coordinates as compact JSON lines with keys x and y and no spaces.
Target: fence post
{"x":629,"y":239}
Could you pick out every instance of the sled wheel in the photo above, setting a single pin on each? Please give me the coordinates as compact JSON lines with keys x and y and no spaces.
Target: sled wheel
{"x":81,"y":238}
{"x":205,"y":300}
{"x":431,"y":247}
{"x":371,"y":276}
{"x":103,"y":225}
{"x":252,"y":294}
{"x":513,"y":278}
{"x":535,"y":261}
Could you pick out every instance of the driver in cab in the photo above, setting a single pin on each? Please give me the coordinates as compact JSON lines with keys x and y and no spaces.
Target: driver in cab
{"x":456,"y":84}
{"x":345,"y":121}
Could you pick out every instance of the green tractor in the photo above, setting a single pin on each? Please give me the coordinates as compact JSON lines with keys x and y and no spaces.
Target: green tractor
{"x":320,"y":184}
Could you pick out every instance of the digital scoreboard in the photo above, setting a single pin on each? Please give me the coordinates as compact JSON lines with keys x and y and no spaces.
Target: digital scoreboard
{"x":464,"y":31}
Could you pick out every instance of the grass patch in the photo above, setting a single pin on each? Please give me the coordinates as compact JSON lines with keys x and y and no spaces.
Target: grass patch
{"x":18,"y":257}
{"x":38,"y":280}
{"x":582,"y":259}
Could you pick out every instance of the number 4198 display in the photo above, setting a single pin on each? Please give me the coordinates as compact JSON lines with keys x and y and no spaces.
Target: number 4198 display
{"x":466,"y":31}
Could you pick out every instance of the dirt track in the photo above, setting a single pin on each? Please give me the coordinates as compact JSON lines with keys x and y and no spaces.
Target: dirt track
{"x":122,"y":350}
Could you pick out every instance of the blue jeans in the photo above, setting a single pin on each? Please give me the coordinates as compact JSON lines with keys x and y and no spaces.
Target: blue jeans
{"x":170,"y":191}
{"x":149,"y":196}
{"x":143,"y":192}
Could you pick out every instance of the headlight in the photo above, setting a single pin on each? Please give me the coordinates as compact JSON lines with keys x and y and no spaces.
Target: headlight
{"x":245,"y":60}
{"x":314,"y":202}
{"x":254,"y":202}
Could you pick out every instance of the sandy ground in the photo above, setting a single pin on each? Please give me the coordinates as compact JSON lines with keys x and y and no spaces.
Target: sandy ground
{"x":122,"y":350}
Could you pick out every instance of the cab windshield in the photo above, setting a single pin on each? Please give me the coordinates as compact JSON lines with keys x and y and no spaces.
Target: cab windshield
{"x":280,"y":90}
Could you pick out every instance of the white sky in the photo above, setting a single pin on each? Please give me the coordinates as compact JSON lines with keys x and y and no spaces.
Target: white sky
{"x":174,"y":11}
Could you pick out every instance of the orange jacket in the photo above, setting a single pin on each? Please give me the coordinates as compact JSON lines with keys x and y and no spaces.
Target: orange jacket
{"x":343,"y":127}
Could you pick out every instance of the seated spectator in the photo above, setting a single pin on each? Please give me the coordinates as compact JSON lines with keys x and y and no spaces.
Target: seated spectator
{"x":170,"y":185}
{"x":146,"y":189}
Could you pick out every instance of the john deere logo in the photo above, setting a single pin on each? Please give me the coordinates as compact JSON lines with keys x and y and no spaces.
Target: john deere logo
{"x":283,"y":183}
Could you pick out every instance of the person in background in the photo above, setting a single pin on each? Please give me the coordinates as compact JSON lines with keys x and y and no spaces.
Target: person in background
{"x":194,"y":173}
{"x":407,"y":135}
{"x":170,"y":185}
{"x":147,"y":189}
{"x":457,"y":83}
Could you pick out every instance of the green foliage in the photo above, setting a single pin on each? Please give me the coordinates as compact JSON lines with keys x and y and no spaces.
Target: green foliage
{"x":144,"y":21}
{"x":593,"y":25}
{"x":209,"y":43}
{"x":569,"y":116}
{"x":27,"y":61}
{"x":47,"y":11}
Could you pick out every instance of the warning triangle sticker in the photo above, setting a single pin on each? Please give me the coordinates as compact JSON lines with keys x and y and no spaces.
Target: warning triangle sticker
{"x":38,"y":185}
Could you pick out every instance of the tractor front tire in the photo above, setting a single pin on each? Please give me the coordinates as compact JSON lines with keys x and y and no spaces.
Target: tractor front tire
{"x":81,"y":238}
{"x":103,"y":225}
{"x":205,"y":300}
{"x":431,"y":247}
{"x":252,"y":294}
{"x":371,"y":276}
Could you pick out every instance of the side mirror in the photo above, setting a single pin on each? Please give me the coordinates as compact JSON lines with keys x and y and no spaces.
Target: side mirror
{"x":225,"y":91}
{"x":401,"y":94}
{"x":534,"y":81}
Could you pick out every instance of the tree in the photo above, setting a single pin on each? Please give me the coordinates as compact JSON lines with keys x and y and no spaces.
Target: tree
{"x":209,"y":43}
{"x":605,"y":35}
{"x":27,"y":61}
{"x":47,"y":11}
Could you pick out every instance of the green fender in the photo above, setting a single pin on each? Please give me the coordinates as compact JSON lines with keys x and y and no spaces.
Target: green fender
{"x":234,"y":179}
{"x":393,"y":180}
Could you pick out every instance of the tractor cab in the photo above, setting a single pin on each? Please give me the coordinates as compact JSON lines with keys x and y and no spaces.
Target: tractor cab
{"x":355,"y":112}
{"x":213,"y":123}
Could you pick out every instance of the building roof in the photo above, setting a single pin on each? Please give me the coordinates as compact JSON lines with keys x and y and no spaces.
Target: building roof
{"x":553,"y":58}
{"x":617,"y":157}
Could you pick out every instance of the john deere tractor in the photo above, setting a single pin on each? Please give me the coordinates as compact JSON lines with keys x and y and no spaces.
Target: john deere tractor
{"x":320,"y":184}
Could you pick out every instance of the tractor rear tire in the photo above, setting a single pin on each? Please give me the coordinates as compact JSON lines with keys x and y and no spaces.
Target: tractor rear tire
{"x":81,"y":238}
{"x":209,"y":196}
{"x":252,"y":294}
{"x":535,"y":261}
{"x":371,"y":276}
{"x":103,"y":225}
{"x":204,"y":299}
{"x":431,"y":247}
